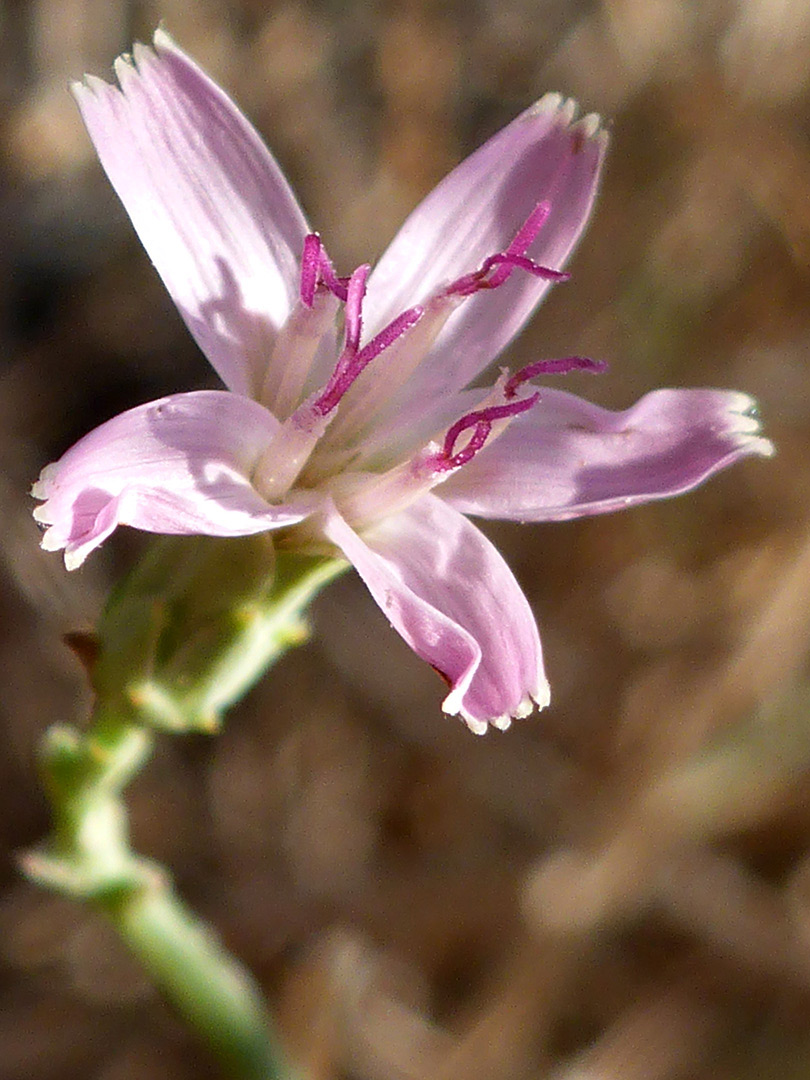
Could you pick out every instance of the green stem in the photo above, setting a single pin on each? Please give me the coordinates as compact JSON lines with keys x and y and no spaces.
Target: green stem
{"x":90,"y":859}
{"x":86,"y":773}
{"x":205,"y":984}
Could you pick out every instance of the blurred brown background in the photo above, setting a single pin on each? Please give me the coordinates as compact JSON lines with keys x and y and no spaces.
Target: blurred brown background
{"x":618,"y":889}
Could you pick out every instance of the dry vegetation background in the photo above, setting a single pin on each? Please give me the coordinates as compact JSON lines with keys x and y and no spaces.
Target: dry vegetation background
{"x":617,"y":890}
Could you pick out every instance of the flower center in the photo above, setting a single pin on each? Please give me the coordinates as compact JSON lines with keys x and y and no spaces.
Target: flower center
{"x":290,"y":450}
{"x":354,"y":360}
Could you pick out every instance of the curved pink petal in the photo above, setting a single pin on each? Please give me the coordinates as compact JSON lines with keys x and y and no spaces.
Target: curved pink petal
{"x":208,"y":201}
{"x":448,"y":592}
{"x":568,"y":458}
{"x":475,"y":212}
{"x":181,"y":464}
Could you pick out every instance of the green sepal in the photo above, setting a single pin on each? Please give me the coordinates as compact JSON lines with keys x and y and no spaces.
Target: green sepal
{"x":197,"y":623}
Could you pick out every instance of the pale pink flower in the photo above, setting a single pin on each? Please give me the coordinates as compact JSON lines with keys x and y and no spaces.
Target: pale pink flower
{"x":349,"y":422}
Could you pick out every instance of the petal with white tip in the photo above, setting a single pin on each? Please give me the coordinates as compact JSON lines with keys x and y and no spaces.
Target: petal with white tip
{"x":568,"y":458}
{"x":475,"y":212}
{"x":449,"y":593}
{"x":209,"y":203}
{"x":180,"y":465}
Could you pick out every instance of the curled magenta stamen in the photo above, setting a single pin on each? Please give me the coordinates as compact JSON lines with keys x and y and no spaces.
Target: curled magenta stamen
{"x":316,"y":269}
{"x":352,"y":363}
{"x":388,"y":335}
{"x":480,"y":421}
{"x":497,"y":268}
{"x":552,"y":367}
{"x":335,"y":284}
{"x":505,"y":263}
{"x":523,"y":239}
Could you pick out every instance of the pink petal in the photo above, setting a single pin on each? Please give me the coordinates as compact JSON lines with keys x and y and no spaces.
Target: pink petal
{"x":567,"y":458}
{"x":474,"y":213}
{"x":178,"y":465}
{"x":208,"y":201}
{"x":448,"y":592}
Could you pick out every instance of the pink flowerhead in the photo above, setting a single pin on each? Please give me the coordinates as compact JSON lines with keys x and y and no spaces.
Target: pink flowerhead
{"x":366,"y":440}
